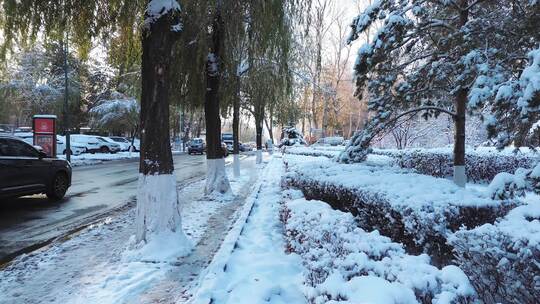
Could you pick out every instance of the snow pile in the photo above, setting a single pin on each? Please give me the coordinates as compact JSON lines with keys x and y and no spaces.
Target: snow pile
{"x":414,"y":209}
{"x":503,"y":259}
{"x":251,"y":265}
{"x":97,"y":158}
{"x":482,"y":164}
{"x":347,"y":264}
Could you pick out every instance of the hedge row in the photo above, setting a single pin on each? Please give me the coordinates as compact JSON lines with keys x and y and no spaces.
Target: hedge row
{"x":421,"y":227}
{"x":346,"y":263}
{"x":480,"y":167}
{"x":503,"y":260}
{"x":308,"y":151}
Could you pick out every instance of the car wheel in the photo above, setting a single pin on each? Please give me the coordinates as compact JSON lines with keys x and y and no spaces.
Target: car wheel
{"x":104,"y":149}
{"x":59,"y":187}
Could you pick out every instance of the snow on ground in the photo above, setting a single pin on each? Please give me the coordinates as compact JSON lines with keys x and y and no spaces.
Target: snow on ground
{"x":90,"y":267}
{"x":98,"y":158}
{"x":252,"y":266}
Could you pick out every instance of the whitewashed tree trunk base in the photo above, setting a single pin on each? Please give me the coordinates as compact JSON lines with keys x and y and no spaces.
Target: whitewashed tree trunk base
{"x":216,"y":177}
{"x":236,"y":165}
{"x":258,"y":157}
{"x":460,"y":176}
{"x":159,"y":235}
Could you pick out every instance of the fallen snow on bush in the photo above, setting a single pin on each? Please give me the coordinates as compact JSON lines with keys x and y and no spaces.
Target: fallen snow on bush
{"x":309,"y":151}
{"x":346,"y":264}
{"x":503,"y":259}
{"x":414,"y":209}
{"x":482,"y":164}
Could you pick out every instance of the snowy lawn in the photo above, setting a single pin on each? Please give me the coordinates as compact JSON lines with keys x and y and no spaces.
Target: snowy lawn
{"x":92,"y":267}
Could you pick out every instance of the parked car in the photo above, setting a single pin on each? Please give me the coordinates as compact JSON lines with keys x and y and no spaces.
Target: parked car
{"x":26,"y":171}
{"x":90,"y":143}
{"x":116,"y":146}
{"x":123,"y":141}
{"x":241,"y":147}
{"x":196,"y":145}
{"x":76,"y":149}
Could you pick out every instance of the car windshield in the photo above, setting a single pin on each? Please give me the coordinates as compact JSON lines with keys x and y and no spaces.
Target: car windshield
{"x":119,"y":139}
{"x":196,"y":141}
{"x":101,"y":139}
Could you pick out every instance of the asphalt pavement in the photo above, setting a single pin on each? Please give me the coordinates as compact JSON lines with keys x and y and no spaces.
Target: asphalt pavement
{"x":97,"y":191}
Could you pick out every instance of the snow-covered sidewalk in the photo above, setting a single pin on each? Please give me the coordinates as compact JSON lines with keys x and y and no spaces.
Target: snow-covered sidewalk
{"x":252,"y":266}
{"x":90,"y":267}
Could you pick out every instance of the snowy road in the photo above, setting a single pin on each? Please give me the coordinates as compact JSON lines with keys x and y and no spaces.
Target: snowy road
{"x":94,"y":264}
{"x":95,"y":191}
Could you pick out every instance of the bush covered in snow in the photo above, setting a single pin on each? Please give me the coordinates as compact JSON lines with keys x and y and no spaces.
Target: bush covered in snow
{"x":290,"y":136}
{"x":413,"y":209}
{"x":308,"y":151}
{"x":481,"y":166}
{"x":502,"y":260}
{"x":346,"y":263}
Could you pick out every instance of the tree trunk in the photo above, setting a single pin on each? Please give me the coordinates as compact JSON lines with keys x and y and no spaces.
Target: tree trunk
{"x":460,"y":176}
{"x":325,"y":118}
{"x":236,"y":134}
{"x":259,"y":117}
{"x":158,"y":211}
{"x":216,"y":178}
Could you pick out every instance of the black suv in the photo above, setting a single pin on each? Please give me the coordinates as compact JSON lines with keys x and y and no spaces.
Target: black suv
{"x":25,"y":171}
{"x":196,"y":145}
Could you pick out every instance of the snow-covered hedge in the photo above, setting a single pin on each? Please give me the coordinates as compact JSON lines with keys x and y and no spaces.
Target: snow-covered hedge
{"x":481,"y":165}
{"x":502,"y":260}
{"x":309,"y":151}
{"x":413,"y":209}
{"x":346,"y":263}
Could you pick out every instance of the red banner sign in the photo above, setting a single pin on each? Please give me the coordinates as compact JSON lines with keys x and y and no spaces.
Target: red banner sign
{"x":44,"y":125}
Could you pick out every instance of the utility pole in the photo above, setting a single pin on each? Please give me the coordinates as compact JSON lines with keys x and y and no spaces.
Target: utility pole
{"x":66,"y":95}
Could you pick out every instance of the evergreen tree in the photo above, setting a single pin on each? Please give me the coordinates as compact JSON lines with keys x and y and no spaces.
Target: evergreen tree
{"x":430,"y":57}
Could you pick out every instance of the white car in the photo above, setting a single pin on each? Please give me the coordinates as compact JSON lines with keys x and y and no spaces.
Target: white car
{"x":90,"y":143}
{"x":76,"y":149}
{"x":107,"y":146}
{"x":124,"y":146}
{"x":124,"y":143}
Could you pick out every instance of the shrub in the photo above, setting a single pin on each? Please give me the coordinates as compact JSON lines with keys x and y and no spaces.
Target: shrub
{"x":344,"y":262}
{"x":503,"y":259}
{"x":415,"y":210}
{"x":480,"y":166}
